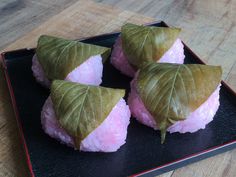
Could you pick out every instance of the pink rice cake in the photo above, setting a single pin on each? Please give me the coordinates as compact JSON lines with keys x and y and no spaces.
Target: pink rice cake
{"x":118,"y":59}
{"x":196,"y":120}
{"x":107,"y":137}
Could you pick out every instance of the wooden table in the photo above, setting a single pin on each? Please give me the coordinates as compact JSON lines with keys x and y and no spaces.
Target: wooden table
{"x":208,"y":28}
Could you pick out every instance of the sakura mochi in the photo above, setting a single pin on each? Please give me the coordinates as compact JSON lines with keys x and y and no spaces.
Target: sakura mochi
{"x":175,"y":98}
{"x":64,"y":59}
{"x":140,"y":44}
{"x":79,"y":116}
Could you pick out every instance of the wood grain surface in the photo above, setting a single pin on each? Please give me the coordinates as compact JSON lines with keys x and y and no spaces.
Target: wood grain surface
{"x":208,"y":27}
{"x":20,"y":16}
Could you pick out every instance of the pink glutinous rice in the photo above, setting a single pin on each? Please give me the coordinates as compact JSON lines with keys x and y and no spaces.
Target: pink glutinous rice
{"x":195,"y":121}
{"x":89,"y":72}
{"x":118,"y":59}
{"x":107,"y":137}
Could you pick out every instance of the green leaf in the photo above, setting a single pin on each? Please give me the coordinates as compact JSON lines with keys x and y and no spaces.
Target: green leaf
{"x":171,"y":91}
{"x":146,"y":43}
{"x":80,"y":109}
{"x":59,"y":57}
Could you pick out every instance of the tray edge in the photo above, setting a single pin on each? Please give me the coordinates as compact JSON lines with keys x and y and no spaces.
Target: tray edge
{"x":18,"y":121}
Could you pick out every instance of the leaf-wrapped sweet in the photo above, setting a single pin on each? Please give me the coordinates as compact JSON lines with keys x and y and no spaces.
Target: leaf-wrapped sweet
{"x":58,"y":57}
{"x":171,"y":92}
{"x":80,"y":109}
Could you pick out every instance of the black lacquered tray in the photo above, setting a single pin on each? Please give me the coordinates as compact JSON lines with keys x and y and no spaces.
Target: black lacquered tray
{"x":142,"y":155}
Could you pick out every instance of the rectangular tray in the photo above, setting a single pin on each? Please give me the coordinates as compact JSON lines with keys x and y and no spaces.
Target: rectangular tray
{"x":142,"y":155}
